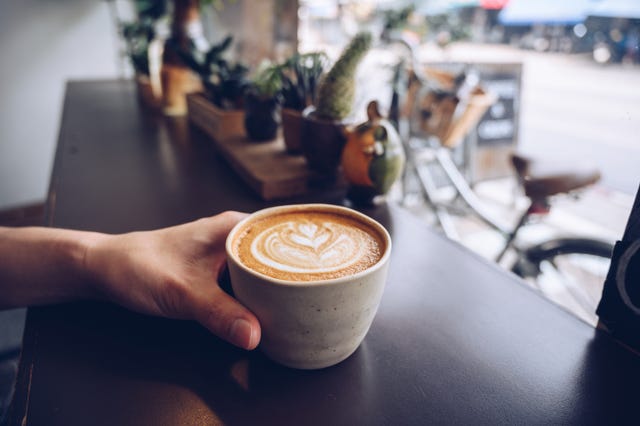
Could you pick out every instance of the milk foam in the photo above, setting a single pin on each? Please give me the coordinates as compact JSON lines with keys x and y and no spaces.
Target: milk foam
{"x":310,"y":246}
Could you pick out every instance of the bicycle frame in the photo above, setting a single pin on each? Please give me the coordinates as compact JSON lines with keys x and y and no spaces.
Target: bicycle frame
{"x":442,"y":156}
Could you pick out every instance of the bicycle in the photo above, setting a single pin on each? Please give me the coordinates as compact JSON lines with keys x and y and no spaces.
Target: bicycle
{"x":569,"y":260}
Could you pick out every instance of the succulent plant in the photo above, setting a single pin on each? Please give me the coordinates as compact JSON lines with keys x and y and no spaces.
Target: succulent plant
{"x":137,"y":36}
{"x":300,"y":76}
{"x":138,"y":33}
{"x":267,"y":81}
{"x":262,"y":102}
{"x":337,"y":88}
{"x":224,"y":82}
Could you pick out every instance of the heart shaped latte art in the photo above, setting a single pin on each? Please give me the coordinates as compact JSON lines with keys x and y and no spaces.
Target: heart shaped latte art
{"x":309,"y":246}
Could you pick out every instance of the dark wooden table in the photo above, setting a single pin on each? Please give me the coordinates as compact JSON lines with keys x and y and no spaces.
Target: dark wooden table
{"x":456,"y":340}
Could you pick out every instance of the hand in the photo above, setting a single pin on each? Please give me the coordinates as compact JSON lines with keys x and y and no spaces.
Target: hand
{"x":174,"y":272}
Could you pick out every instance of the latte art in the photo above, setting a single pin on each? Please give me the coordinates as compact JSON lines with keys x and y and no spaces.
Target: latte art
{"x":308,"y":246}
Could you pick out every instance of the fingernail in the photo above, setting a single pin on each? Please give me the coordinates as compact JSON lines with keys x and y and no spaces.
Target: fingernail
{"x":241,"y":333}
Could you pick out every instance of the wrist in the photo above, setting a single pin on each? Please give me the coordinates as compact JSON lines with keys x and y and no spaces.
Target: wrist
{"x":92,"y":264}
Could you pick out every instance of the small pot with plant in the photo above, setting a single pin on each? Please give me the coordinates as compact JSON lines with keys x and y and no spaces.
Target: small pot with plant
{"x":176,"y":77}
{"x":219,"y":109}
{"x":300,"y":76}
{"x":138,"y":36}
{"x":262,"y":103}
{"x":323,"y":131}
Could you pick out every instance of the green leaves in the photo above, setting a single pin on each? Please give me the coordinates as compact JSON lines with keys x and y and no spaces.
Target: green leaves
{"x":267,"y":81}
{"x":300,"y":76}
{"x":223,"y":80}
{"x":151,"y":9}
{"x":137,"y":36}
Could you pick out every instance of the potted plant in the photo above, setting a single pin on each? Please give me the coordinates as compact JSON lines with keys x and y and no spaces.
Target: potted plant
{"x":219,"y":109}
{"x":262,"y":103}
{"x":300,"y":76}
{"x":177,"y":78}
{"x":162,"y":76}
{"x":138,"y":36}
{"x":323,"y":137}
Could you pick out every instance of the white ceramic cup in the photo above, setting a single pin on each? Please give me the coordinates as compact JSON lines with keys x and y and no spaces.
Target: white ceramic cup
{"x":310,"y":324}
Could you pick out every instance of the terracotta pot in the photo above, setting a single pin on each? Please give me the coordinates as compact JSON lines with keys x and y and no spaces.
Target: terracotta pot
{"x":177,"y":82}
{"x":322,"y":143}
{"x":177,"y":79}
{"x":292,"y":123}
{"x":218,"y":123}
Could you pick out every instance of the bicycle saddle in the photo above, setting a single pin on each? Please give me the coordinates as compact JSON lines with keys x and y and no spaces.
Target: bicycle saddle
{"x":542,"y":179}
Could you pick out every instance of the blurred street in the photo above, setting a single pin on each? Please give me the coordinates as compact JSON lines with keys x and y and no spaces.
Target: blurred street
{"x":571,"y":108}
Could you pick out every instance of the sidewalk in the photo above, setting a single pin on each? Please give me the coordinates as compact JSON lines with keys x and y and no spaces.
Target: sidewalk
{"x":598,"y":213}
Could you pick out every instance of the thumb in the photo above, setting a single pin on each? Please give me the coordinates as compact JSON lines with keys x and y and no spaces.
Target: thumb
{"x":225,"y":317}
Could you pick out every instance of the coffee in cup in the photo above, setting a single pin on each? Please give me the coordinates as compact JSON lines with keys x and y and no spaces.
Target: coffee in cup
{"x":313,"y":275}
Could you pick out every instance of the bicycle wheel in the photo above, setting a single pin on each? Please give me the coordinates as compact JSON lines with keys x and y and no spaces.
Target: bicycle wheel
{"x":575,"y":266}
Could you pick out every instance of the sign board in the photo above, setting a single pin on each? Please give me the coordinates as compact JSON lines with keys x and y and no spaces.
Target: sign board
{"x":499,"y":126}
{"x":497,"y":132}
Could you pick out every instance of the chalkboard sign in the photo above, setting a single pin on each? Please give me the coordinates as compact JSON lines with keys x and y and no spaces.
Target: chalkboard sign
{"x":496,"y":135}
{"x":499,"y":125}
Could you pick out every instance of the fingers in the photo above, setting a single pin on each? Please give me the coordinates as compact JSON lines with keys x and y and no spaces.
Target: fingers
{"x":228,"y":319}
{"x":207,"y":303}
{"x":232,"y":217}
{"x":219,"y":226}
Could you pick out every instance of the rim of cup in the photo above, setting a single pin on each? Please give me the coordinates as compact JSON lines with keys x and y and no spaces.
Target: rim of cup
{"x":302,"y":207}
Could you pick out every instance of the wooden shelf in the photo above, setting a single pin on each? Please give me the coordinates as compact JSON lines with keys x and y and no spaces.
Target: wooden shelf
{"x":269,"y":170}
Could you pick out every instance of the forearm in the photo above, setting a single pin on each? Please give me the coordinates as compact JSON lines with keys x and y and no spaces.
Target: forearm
{"x":172,"y":272}
{"x":41,"y":266}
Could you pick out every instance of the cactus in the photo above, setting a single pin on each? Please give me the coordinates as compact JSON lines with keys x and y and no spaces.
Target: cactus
{"x":337,"y":88}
